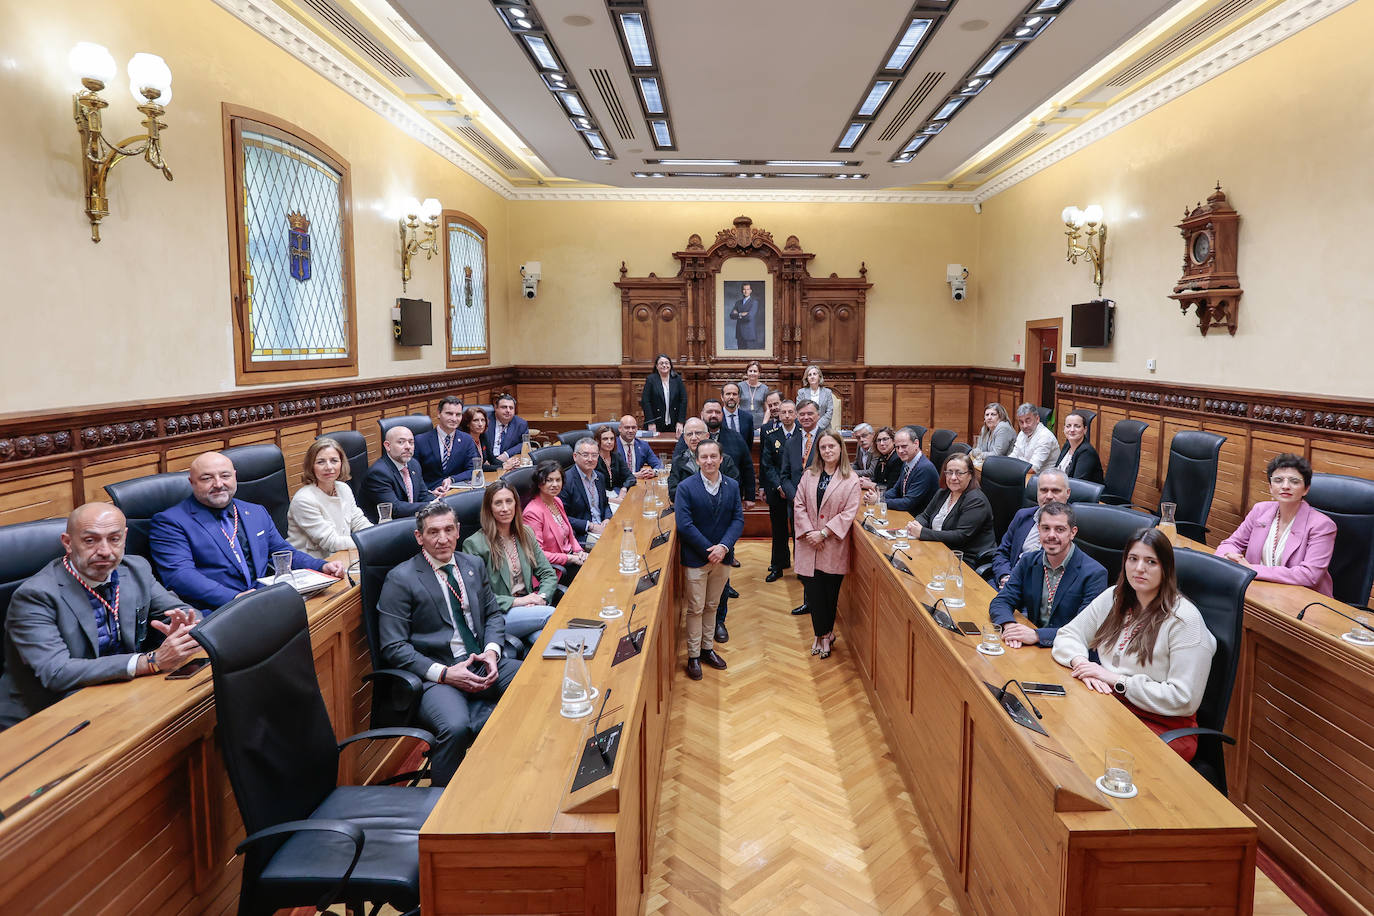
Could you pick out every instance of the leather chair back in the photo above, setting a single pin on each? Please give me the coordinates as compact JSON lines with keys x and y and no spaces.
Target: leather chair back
{"x":1003,"y":482}
{"x":597,"y":427}
{"x":523,"y":481}
{"x":261,"y":472}
{"x":416,"y":423}
{"x":1123,"y":464}
{"x":1349,"y":502}
{"x":25,"y":548}
{"x":571,"y":437}
{"x":1045,"y":414}
{"x":920,"y":433}
{"x":467,"y":505}
{"x":355,"y":451}
{"x":489,"y":410}
{"x":272,"y":725}
{"x":1080,"y":491}
{"x":143,"y":497}
{"x":1217,"y":587}
{"x":960,"y":448}
{"x":1088,"y":417}
{"x":560,"y":453}
{"x":1191,"y":480}
{"x":380,"y":549}
{"x":940,"y":443}
{"x":1104,"y":530}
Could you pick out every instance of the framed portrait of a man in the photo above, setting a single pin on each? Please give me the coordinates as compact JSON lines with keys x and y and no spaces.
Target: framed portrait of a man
{"x":744,"y":317}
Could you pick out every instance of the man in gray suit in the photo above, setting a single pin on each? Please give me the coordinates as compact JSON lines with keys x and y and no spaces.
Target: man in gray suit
{"x":85,"y":619}
{"x":438,"y":619}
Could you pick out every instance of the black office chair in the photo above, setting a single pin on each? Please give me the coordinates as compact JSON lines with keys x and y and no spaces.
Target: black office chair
{"x":1123,"y":464}
{"x":310,"y":841}
{"x":960,"y":448}
{"x":1191,"y":480}
{"x":1045,"y":414}
{"x":382,"y":547}
{"x":1217,"y":587}
{"x":25,"y":548}
{"x":1104,"y":530}
{"x":522,"y":479}
{"x":560,"y":453}
{"x":571,"y":437}
{"x":1003,"y":482}
{"x":417,"y":424}
{"x":261,"y":471}
{"x":355,"y":451}
{"x":1080,"y":491}
{"x":597,"y":427}
{"x":1088,"y":417}
{"x":489,"y":410}
{"x":920,"y":433}
{"x":143,"y":497}
{"x":467,"y":506}
{"x":1349,"y":502}
{"x":940,"y":442}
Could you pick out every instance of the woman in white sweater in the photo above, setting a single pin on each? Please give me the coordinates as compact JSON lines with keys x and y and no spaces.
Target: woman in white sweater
{"x":1155,"y":649}
{"x":323,"y":513}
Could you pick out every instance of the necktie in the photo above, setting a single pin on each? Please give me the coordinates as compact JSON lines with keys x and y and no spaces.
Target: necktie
{"x":901,"y":484}
{"x":806,"y":452}
{"x":459,"y":618}
{"x":630,"y":457}
{"x":496,"y":439}
{"x":448,"y":446}
{"x":410,"y":491}
{"x":734,"y":422}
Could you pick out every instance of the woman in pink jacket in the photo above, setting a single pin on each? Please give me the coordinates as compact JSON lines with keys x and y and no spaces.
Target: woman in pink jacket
{"x":827,"y":501}
{"x":549,"y":521}
{"x":1285,"y":540}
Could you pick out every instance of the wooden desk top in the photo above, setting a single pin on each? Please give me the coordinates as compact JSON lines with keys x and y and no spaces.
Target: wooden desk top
{"x":517,"y":775}
{"x":1081,"y":725}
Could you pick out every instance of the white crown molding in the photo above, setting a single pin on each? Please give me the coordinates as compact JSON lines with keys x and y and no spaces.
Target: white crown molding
{"x":1281,"y":22}
{"x":286,"y":32}
{"x":708,"y":195}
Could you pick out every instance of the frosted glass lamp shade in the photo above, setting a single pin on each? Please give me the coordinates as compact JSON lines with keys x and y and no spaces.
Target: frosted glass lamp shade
{"x":431,"y":208}
{"x":148,"y":71}
{"x":1092,"y":214}
{"x":89,"y":60}
{"x":412,"y":206}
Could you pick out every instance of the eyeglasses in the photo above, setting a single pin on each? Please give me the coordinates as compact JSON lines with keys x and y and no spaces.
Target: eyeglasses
{"x":953,"y":473}
{"x":1291,"y":481}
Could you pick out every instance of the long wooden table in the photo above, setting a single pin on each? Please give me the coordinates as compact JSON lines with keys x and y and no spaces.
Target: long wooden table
{"x":1013,"y":816}
{"x":148,"y":823}
{"x":509,"y":835}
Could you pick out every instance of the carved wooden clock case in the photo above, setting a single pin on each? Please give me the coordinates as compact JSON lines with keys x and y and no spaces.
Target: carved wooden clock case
{"x":1209,"y":282}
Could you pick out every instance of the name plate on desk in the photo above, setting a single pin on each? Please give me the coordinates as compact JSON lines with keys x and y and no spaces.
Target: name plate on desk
{"x":598,"y":757}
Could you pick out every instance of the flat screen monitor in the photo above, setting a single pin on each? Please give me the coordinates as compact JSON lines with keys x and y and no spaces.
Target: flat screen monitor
{"x":1091,"y":323}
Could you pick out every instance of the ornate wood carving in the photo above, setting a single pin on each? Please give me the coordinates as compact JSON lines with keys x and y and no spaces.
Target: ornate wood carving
{"x":1209,"y":282}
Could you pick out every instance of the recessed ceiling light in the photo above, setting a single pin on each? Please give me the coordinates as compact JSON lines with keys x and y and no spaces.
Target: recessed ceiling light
{"x":699,"y":175}
{"x":1033,"y":21}
{"x":594,"y":138}
{"x":662,"y":136}
{"x":691,"y":162}
{"x":915,"y":31}
{"x":540,"y":49}
{"x":636,"y":38}
{"x":653,"y":100}
{"x":916,"y":143}
{"x":852,"y":135}
{"x":1049,"y":5}
{"x":800,"y":175}
{"x":949,"y":108}
{"x":573,"y":103}
{"x":875,"y":97}
{"x":811,"y":163}
{"x":996,"y":59}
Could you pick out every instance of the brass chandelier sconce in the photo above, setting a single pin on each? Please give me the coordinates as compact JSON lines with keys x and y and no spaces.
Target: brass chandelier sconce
{"x":1087,"y":224}
{"x":416,"y":236}
{"x":150,"y":83}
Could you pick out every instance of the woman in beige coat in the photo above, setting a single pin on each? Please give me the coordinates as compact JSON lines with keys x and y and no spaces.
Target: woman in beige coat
{"x":827,"y":501}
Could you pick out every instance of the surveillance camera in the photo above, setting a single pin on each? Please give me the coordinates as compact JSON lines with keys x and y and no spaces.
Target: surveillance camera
{"x":958,"y":291}
{"x":530,"y":287}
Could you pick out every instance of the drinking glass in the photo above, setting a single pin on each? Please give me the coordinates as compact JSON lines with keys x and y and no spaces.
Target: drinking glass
{"x":383,"y":512}
{"x":882,"y":512}
{"x":1167,"y":524}
{"x":1359,"y":633}
{"x":281,"y":565}
{"x":1118,"y":775}
{"x":609,"y":610}
{"x":992,"y":638}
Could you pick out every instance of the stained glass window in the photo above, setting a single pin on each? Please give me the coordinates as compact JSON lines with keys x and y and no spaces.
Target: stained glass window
{"x":292,"y":250}
{"x":466,"y":245}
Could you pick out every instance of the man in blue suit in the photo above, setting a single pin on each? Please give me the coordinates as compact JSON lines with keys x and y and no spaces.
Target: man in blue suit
{"x":710,"y":518}
{"x":919,"y":479}
{"x":736,"y":420}
{"x":584,"y":493}
{"x":748,"y":315}
{"x":639,"y":456}
{"x":1023,"y":534}
{"x":210,"y":547}
{"x":1050,"y":585}
{"x":505,"y":434}
{"x":447,"y":454}
{"x":396,"y":478}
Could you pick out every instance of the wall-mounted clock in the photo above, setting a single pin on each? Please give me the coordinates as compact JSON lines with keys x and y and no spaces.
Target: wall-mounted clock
{"x":1209,"y":283}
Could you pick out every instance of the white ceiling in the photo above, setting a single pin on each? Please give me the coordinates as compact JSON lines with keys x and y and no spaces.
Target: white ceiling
{"x":771,"y":79}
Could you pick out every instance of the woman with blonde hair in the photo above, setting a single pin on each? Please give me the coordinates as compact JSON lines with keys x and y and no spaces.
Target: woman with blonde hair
{"x":997,"y":436}
{"x":323,"y":514}
{"x":823,"y":510}
{"x":813,"y":389}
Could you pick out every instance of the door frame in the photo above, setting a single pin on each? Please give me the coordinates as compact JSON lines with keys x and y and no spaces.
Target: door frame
{"x":1030,"y":386}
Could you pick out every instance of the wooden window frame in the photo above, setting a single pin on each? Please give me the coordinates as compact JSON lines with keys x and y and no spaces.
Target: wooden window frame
{"x":235,"y":117}
{"x":476,"y":359}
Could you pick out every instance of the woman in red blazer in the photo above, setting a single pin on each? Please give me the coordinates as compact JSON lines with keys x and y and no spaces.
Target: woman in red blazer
{"x":824,"y":508}
{"x":1285,"y":540}
{"x":549,"y":521}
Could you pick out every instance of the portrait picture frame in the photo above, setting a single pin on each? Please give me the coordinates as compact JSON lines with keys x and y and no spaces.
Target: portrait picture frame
{"x":744,"y":312}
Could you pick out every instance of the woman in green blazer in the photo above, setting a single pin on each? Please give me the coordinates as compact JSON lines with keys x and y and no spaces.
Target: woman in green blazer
{"x":522,"y":579}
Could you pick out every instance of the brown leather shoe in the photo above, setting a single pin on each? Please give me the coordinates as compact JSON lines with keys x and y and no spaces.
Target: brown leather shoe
{"x":709,"y":657}
{"x":694,"y":668}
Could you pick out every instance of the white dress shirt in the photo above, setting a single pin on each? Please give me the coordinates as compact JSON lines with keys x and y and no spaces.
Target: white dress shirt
{"x":1038,"y":449}
{"x":455,"y":643}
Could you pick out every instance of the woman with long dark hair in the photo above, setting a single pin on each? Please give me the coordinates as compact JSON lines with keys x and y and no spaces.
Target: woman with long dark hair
{"x":547,"y":518}
{"x":664,"y":399}
{"x":1145,"y":642}
{"x":522,"y":579}
{"x":474,"y":423}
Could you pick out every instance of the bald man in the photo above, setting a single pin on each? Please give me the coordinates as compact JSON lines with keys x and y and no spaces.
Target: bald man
{"x":395,"y":478}
{"x":92,"y":616}
{"x":210,"y":547}
{"x":641,"y":459}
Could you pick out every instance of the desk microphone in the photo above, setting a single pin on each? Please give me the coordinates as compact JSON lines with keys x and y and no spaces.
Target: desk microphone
{"x":1003,"y":693}
{"x":898,"y":564}
{"x":596,"y":728}
{"x":1330,"y":608}
{"x":629,"y":630}
{"x":73,"y":731}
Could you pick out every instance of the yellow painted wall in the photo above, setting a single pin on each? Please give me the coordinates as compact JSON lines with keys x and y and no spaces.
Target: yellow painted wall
{"x":1289,"y":134}
{"x":146,"y":313}
{"x":911,"y":318}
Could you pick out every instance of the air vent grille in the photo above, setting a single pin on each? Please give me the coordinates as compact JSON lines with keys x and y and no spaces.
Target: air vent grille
{"x":926,"y":86}
{"x":611,"y":99}
{"x":1179,"y":42}
{"x":346,"y":26}
{"x":491,"y":150}
{"x":1011,"y":152}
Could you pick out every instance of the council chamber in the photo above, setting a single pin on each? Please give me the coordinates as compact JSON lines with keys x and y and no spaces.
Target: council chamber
{"x":613,"y":456}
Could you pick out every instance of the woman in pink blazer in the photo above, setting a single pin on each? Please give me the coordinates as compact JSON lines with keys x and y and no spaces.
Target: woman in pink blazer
{"x":549,"y":521}
{"x":1285,"y":540}
{"x":827,"y":501}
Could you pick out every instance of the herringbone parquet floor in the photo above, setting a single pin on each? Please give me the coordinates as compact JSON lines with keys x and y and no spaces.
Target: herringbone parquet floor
{"x":779,"y":794}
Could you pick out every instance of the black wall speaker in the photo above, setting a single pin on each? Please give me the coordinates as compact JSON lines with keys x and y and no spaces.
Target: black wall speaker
{"x":410,"y":323}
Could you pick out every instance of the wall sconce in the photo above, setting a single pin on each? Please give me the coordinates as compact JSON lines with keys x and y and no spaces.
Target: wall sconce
{"x":1091,"y":217}
{"x":150,"y":82}
{"x":416,"y":237}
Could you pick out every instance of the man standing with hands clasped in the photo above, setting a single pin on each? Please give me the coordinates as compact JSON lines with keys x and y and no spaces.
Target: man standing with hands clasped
{"x":710,"y":518}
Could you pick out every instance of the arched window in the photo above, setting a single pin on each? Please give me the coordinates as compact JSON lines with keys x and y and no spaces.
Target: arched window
{"x":465,"y":294}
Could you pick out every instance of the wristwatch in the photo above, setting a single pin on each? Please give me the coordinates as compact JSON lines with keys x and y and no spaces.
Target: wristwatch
{"x":1120,"y":685}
